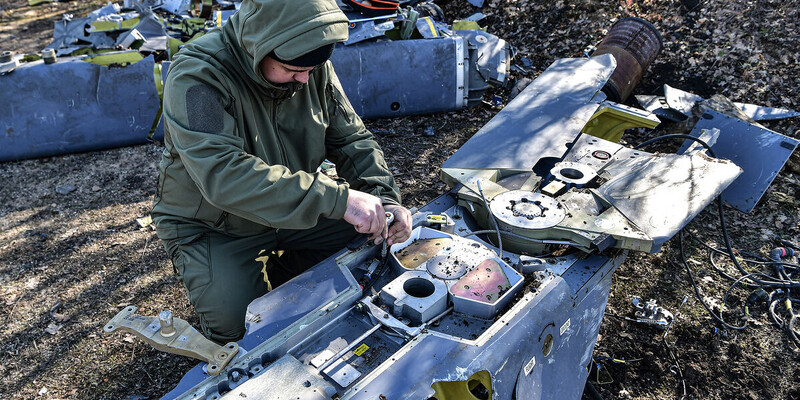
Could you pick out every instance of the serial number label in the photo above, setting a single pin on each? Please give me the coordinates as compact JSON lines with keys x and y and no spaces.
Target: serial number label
{"x":564,"y":327}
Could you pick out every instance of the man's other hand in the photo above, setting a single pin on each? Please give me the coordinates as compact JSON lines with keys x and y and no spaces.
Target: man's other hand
{"x":365,"y":212}
{"x":401,"y":228}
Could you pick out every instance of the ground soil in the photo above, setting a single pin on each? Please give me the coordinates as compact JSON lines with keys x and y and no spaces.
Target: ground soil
{"x":71,"y":259}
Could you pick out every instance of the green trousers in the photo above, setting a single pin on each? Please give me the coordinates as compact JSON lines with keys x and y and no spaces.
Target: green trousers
{"x":223,"y":274}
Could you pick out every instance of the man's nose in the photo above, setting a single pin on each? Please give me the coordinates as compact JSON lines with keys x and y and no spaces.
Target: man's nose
{"x":301,"y":77}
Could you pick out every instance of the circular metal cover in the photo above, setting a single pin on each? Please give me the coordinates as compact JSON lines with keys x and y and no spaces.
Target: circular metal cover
{"x":447,"y":266}
{"x":523,"y":209}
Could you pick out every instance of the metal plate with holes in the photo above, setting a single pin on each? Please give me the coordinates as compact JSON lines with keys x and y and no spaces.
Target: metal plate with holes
{"x":286,"y":378}
{"x":527,"y":210}
{"x":420,"y":251}
{"x":485,"y":283}
{"x":342,"y":373}
{"x":447,"y":266}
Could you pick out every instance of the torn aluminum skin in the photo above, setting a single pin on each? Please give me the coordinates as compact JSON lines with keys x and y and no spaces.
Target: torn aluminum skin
{"x":683,"y":102}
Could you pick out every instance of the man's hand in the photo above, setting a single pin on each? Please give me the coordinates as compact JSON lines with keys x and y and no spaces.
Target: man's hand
{"x":401,"y":228}
{"x":365,"y":212}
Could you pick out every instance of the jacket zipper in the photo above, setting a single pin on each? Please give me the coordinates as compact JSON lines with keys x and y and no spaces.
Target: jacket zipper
{"x":281,"y":148}
{"x":336,"y":101}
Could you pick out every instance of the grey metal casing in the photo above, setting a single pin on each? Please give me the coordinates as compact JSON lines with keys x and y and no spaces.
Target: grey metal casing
{"x":75,"y":106}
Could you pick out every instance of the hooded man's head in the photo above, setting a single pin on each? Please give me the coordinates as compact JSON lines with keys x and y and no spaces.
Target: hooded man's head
{"x":277,"y":33}
{"x":277,"y":70}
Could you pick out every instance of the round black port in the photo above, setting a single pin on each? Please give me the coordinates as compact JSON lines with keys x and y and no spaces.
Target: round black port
{"x":395,"y":106}
{"x":571,"y":173}
{"x":419,"y":287}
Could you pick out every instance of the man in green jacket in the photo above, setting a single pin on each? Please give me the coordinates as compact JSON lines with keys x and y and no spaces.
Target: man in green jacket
{"x":251,"y":112}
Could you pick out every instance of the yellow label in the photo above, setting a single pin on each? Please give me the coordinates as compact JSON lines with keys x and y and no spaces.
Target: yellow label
{"x":436,"y":219}
{"x":360,"y":349}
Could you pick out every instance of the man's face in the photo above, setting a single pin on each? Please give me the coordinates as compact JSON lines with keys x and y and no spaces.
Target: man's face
{"x":278,"y":72}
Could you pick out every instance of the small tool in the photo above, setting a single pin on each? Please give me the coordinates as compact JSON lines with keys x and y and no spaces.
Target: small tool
{"x":385,"y":248}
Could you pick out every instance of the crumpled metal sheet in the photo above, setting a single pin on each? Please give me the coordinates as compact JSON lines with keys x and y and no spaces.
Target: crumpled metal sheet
{"x":73,"y":106}
{"x":546,"y":116}
{"x":683,"y":102}
{"x":71,"y":33}
{"x":154,"y":33}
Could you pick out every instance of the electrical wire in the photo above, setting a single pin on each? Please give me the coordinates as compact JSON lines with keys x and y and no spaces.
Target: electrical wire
{"x":782,"y":283}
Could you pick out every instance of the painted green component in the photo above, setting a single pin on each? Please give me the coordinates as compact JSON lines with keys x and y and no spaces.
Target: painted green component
{"x":109,"y":26}
{"x":123,"y":58}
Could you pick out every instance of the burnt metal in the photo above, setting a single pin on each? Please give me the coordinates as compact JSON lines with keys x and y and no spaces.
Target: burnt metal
{"x":634,"y":43}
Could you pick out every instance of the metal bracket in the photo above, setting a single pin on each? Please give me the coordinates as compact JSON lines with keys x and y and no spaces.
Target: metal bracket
{"x":174,"y":335}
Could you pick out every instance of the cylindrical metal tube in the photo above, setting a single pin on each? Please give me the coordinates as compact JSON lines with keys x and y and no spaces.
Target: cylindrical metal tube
{"x":165,"y":320}
{"x":49,"y":56}
{"x":634,"y":43}
{"x":6,"y":56}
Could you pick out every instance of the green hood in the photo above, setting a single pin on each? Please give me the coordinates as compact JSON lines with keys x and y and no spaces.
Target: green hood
{"x":303,"y":25}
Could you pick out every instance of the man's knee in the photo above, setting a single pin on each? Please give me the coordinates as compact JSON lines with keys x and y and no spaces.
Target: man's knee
{"x":222,"y":327}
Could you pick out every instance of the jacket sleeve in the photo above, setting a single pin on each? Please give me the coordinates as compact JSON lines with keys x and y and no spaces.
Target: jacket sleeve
{"x":358,"y":157}
{"x":202,"y":131}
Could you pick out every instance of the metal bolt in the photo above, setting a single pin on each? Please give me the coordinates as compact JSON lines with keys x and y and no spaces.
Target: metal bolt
{"x":6,"y":56}
{"x":165,"y":319}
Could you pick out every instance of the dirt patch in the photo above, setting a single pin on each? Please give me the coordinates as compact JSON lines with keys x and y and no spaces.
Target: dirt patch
{"x":72,"y":254}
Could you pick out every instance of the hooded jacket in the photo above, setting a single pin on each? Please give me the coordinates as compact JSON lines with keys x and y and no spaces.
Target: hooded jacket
{"x":240,"y":153}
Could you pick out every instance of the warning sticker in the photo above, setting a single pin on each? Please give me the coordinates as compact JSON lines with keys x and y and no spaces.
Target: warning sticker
{"x":360,"y":349}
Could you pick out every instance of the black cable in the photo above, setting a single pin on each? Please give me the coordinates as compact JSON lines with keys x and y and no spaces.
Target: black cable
{"x":677,"y":366}
{"x":378,"y":273}
{"x":592,"y":391}
{"x":697,"y":290}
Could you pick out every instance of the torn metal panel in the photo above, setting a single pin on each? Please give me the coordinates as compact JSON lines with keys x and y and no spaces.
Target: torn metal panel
{"x":658,"y":106}
{"x":364,"y":30}
{"x":760,"y":152}
{"x":762,"y":113}
{"x":662,"y":193}
{"x":683,"y":102}
{"x":154,"y":33}
{"x":680,"y":100}
{"x":70,"y":33}
{"x":177,"y":7}
{"x":551,"y":110}
{"x":74,"y":106}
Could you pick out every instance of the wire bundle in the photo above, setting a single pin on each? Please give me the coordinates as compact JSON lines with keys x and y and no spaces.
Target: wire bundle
{"x":775,"y":289}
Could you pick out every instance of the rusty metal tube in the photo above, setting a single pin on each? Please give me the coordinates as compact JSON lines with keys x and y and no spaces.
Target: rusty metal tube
{"x":634,"y":43}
